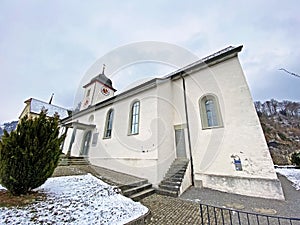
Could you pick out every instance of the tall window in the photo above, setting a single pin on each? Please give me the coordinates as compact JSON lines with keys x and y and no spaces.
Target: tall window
{"x":135,"y":118}
{"x":210,"y":112}
{"x":109,"y":123}
{"x":88,"y":93}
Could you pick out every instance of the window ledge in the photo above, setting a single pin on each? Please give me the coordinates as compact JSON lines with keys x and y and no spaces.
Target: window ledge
{"x":106,"y":137}
{"x":132,"y":134}
{"x":214,"y":127}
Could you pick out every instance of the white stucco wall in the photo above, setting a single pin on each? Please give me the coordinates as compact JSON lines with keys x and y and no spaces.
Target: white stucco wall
{"x":135,"y":154}
{"x":150,"y":153}
{"x":240,"y":135}
{"x":165,"y":133}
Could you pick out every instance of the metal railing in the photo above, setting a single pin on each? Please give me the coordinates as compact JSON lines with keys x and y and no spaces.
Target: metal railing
{"x":211,"y":215}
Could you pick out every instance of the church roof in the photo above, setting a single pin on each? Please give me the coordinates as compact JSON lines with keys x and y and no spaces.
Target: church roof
{"x":212,"y":59}
{"x":37,"y":105}
{"x":208,"y":60}
{"x":102,"y":79}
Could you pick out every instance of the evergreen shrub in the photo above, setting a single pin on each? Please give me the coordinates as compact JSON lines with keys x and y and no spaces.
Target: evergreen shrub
{"x":29,"y":155}
{"x":296,"y":158}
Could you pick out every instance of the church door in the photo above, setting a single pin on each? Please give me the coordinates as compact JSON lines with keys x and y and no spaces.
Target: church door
{"x":180,"y":143}
{"x":86,"y":143}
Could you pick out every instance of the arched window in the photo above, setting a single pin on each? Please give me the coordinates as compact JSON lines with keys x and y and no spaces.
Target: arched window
{"x":135,"y":118}
{"x":210,"y":112}
{"x":109,"y":123}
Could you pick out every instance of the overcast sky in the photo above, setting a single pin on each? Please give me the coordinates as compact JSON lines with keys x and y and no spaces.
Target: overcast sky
{"x":47,"y":46}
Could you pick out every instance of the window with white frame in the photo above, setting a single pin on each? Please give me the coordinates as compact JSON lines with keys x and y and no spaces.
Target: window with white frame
{"x":109,"y":123}
{"x":210,"y":112}
{"x":88,"y":93}
{"x":135,"y":118}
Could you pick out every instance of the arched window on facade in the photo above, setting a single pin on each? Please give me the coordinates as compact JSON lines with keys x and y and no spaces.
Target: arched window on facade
{"x":109,"y":123}
{"x":134,"y":118}
{"x":210,"y":112}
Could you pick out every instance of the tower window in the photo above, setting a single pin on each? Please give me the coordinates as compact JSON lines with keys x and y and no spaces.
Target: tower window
{"x":135,"y":118}
{"x":88,"y":93}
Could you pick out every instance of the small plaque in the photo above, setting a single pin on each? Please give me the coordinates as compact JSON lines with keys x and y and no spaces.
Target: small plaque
{"x":95,"y":139}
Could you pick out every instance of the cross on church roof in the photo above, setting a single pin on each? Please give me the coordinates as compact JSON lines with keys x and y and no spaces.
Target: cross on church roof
{"x":103,"y":68}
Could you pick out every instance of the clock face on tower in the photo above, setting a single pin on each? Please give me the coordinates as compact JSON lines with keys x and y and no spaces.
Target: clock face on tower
{"x":105,"y":91}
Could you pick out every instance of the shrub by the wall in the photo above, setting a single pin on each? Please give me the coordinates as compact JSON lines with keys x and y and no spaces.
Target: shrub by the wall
{"x":29,"y":155}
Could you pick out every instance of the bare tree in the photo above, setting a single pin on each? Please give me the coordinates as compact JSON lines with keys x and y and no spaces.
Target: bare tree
{"x":293,"y":74}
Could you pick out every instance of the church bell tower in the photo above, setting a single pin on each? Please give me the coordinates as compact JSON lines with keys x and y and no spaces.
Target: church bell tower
{"x":97,"y":90}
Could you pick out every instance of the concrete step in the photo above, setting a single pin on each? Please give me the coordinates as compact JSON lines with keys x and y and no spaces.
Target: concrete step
{"x":66,"y":161}
{"x":178,"y":168}
{"x":134,"y":190}
{"x":169,"y":187}
{"x":173,"y":176}
{"x":161,"y":191}
{"x":171,"y":173}
{"x":170,"y":182}
{"x":143,"y":194}
{"x":174,"y":179}
{"x":133,"y":185}
{"x":175,"y":163}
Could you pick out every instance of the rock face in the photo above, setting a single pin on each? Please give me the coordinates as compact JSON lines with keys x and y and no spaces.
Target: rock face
{"x":8,"y":127}
{"x":282,"y":130}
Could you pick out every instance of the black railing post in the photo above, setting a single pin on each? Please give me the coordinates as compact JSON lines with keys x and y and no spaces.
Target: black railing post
{"x":230,"y":216}
{"x":239,"y":219}
{"x":208,"y":219}
{"x":215,"y":215}
{"x":222,"y":216}
{"x":242,"y":217}
{"x":201,"y":213}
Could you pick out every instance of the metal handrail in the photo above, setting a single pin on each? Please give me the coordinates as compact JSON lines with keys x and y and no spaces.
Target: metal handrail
{"x":212,"y":215}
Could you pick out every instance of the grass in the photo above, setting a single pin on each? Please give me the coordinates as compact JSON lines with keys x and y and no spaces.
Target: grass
{"x":9,"y":200}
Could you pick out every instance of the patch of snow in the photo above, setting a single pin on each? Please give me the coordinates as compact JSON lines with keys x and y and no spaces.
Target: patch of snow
{"x":291,"y":174}
{"x":81,"y":199}
{"x":37,"y":106}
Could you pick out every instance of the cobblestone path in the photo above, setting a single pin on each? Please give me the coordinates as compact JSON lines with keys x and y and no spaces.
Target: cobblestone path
{"x":169,"y":211}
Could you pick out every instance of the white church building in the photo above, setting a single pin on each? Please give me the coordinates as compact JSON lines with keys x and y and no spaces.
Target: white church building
{"x":203,"y":113}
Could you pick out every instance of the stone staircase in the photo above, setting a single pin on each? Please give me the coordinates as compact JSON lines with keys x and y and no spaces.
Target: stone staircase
{"x":137,"y":191}
{"x":171,"y":183}
{"x":72,"y":160}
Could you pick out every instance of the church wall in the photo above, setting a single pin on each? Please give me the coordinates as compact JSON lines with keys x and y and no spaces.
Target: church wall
{"x":240,"y":134}
{"x":26,"y":111}
{"x":135,"y":154}
{"x":87,"y":99}
{"x":162,"y":110}
{"x":76,"y":148}
{"x":171,"y":113}
{"x":98,"y":93}
{"x":165,"y":132}
{"x":67,"y":141}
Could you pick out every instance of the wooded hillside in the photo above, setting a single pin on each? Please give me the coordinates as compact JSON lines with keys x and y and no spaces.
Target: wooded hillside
{"x":281,"y":125}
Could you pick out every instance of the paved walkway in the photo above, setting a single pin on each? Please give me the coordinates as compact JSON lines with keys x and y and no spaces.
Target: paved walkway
{"x":185,"y":210}
{"x":170,"y":211}
{"x":288,"y":208}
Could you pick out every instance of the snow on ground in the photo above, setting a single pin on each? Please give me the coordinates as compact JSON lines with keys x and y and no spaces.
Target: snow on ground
{"x":81,"y":199}
{"x":291,"y":174}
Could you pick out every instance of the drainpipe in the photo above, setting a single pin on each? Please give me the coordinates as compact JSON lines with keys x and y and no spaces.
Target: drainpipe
{"x":188,"y":129}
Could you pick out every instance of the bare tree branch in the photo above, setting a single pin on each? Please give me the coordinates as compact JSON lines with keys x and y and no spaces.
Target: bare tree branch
{"x":296,"y":75}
